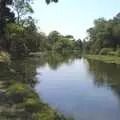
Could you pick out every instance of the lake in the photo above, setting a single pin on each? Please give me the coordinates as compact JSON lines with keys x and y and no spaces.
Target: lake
{"x":80,"y":88}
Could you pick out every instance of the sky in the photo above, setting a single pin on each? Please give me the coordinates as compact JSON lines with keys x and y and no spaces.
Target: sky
{"x":73,"y":17}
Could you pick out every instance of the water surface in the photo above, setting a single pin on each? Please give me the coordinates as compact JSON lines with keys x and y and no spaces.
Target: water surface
{"x":77,"y":87}
{"x":83,"y":89}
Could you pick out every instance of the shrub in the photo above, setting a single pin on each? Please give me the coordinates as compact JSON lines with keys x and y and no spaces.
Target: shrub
{"x":33,"y":105}
{"x":105,"y":51}
{"x":20,"y":92}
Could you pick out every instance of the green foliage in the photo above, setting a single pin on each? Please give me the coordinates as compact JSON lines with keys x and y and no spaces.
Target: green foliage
{"x":104,"y":34}
{"x":17,"y":88}
{"x":105,"y":51}
{"x":32,"y":105}
{"x":25,"y":98}
{"x":50,"y":115}
{"x":58,"y":42}
{"x":14,"y":28}
{"x":25,"y":95}
{"x":22,"y":36}
{"x":22,"y":8}
{"x":18,"y":47}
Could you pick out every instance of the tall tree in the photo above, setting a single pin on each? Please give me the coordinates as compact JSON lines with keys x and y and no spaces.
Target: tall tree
{"x":22,"y":8}
{"x":6,"y":16}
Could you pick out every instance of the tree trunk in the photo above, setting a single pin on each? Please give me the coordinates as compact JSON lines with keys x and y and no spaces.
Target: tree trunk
{"x":2,"y":24}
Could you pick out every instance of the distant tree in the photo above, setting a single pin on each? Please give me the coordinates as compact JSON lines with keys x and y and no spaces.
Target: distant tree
{"x":79,"y":44}
{"x":104,"y":34}
{"x":69,"y":37}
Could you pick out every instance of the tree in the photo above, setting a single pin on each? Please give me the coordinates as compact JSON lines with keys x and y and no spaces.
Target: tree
{"x":79,"y":44}
{"x":104,"y":34}
{"x":22,"y":8}
{"x":6,"y":16}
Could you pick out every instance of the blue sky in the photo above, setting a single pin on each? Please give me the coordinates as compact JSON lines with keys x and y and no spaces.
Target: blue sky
{"x":73,"y":16}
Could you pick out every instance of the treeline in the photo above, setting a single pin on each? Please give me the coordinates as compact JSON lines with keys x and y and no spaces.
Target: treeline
{"x":104,"y":37}
{"x":58,"y":43}
{"x":19,"y":34}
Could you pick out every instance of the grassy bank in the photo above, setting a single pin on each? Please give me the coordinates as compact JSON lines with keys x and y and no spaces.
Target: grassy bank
{"x":104,"y":58}
{"x":20,"y":101}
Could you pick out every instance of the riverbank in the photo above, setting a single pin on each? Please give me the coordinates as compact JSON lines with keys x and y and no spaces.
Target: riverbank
{"x":104,"y":58}
{"x":19,"y":99}
{"x":24,"y":103}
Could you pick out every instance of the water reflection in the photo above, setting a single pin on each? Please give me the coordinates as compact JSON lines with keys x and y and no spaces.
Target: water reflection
{"x":55,"y":60}
{"x":18,"y":74}
{"x":107,"y":75}
{"x":23,"y":71}
{"x":83,"y":89}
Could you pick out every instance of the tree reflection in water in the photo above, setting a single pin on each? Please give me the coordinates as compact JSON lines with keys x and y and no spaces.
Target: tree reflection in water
{"x":106,"y":75}
{"x":17,"y":81}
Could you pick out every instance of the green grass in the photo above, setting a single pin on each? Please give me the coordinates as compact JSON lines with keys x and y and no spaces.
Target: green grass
{"x":104,"y":58}
{"x":23,"y":97}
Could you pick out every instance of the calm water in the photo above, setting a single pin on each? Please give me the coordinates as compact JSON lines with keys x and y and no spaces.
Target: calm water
{"x":80,"y":88}
{"x":83,"y":89}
